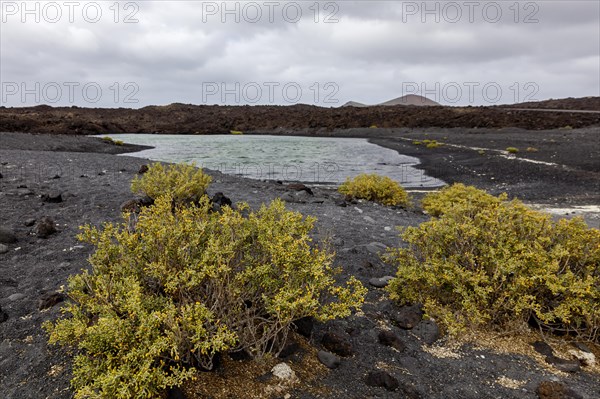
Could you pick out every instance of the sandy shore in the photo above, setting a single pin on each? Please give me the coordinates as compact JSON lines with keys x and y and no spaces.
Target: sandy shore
{"x":93,"y":183}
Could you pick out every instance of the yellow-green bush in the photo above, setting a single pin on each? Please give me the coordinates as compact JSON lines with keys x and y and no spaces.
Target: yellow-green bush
{"x":183,"y":182}
{"x":187,"y":283}
{"x":373,"y":187}
{"x":432,"y":143}
{"x":484,"y":262}
{"x":458,"y":194}
{"x":512,"y":150}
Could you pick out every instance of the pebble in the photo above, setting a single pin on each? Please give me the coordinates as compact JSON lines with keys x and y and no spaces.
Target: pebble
{"x":16,"y":297}
{"x":387,"y":228}
{"x":586,"y":358}
{"x":381,"y":281}
{"x":369,"y":219}
{"x":329,"y":360}
{"x":283,"y":371}
{"x":3,"y":249}
{"x":376,"y":247}
{"x":358,"y":209}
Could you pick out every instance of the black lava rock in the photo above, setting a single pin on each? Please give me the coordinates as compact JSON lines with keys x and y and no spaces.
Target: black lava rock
{"x":143,"y":169}
{"x":3,"y":315}
{"x":329,"y":360}
{"x":337,"y":343}
{"x":407,"y":317}
{"x":175,"y":393}
{"x":135,"y":205}
{"x":381,"y":378}
{"x":220,"y":200}
{"x":568,"y":366}
{"x":428,"y":331}
{"x":380,"y":282}
{"x":299,"y":187}
{"x":543,"y":348}
{"x":389,"y":338}
{"x":52,"y":198}
{"x":289,"y":349}
{"x":304,"y":326}
{"x":7,"y":236}
{"x":556,"y":390}
{"x":49,"y":300}
{"x":44,"y":227}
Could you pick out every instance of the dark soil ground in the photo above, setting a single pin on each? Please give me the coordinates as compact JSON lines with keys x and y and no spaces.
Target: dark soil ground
{"x":207,"y":119}
{"x":93,"y":183}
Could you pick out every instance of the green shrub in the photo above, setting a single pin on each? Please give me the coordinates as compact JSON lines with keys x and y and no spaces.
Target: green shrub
{"x":531,"y":149}
{"x":184,"y":183}
{"x":187,"y":283}
{"x":110,"y":140}
{"x":433,"y":144}
{"x":373,"y":187}
{"x":459,"y":195}
{"x":481,"y":152}
{"x":236,"y":132}
{"x":512,"y":150}
{"x":428,"y":143}
{"x":484,"y":262}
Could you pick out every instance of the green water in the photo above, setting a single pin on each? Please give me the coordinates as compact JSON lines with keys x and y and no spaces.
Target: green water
{"x":315,"y":160}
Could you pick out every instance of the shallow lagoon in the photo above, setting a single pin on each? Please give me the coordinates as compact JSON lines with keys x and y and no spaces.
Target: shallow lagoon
{"x":314,"y":160}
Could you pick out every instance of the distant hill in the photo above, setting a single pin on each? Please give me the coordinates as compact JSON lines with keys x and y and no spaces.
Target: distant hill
{"x":410,"y":99}
{"x":582,"y":103}
{"x":354,"y":104}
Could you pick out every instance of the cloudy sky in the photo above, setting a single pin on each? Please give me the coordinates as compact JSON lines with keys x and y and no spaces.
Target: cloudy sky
{"x":138,"y":53}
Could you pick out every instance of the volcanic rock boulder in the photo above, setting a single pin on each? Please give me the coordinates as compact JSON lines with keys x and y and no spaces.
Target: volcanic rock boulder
{"x":44,"y":227}
{"x":7,"y":236}
{"x":337,"y":343}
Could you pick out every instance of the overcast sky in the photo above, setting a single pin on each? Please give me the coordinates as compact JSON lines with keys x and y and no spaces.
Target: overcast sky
{"x":138,"y":53}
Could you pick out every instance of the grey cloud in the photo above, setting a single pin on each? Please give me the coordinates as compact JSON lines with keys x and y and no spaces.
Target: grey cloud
{"x":371,"y":53}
